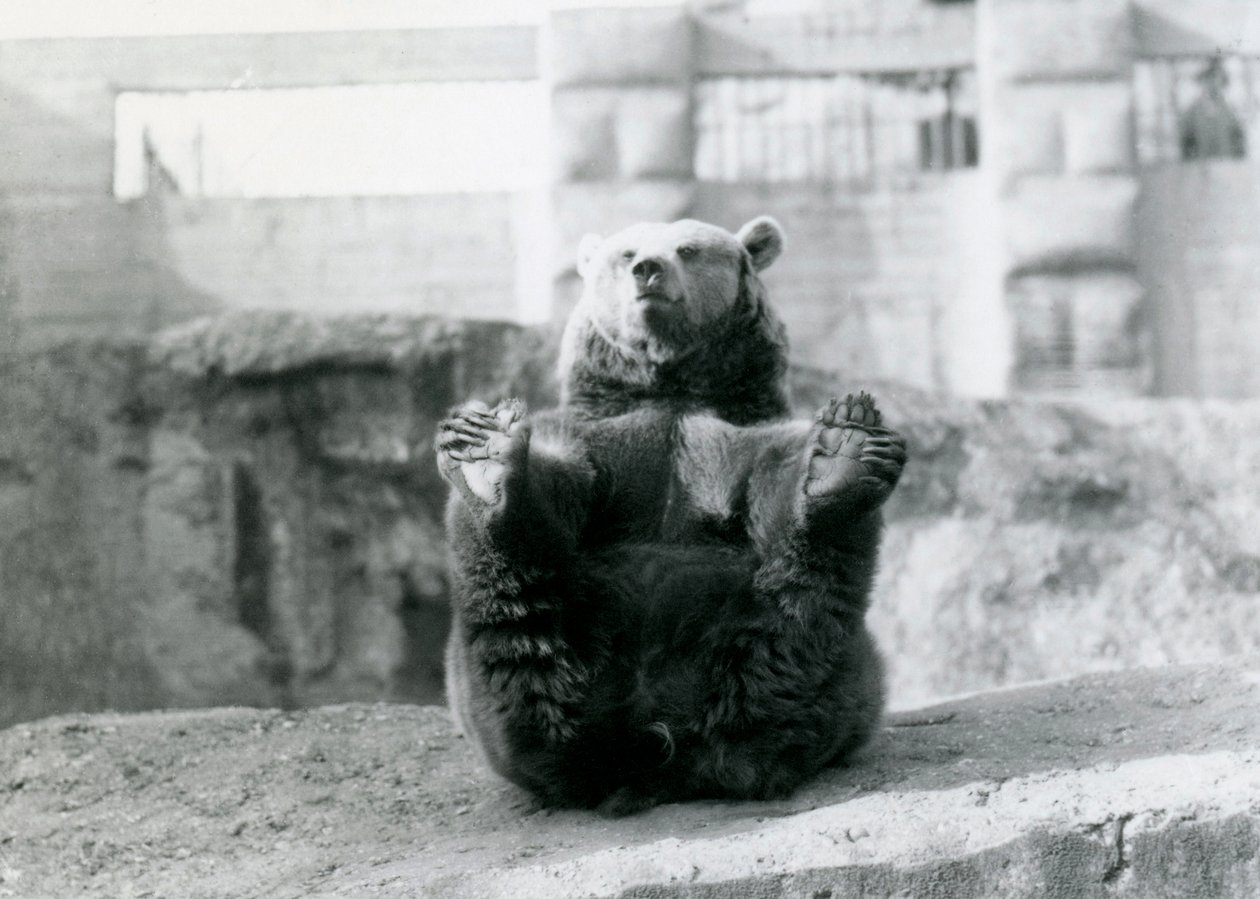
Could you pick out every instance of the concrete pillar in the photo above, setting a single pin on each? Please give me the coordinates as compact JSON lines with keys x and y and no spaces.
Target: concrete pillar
{"x":621,"y":126}
{"x":1057,"y":111}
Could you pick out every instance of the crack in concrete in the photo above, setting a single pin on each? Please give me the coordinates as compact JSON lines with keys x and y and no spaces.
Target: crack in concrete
{"x":1120,"y":863}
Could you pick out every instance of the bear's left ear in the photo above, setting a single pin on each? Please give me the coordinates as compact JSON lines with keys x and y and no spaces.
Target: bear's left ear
{"x":763,"y":239}
{"x":587,"y":248}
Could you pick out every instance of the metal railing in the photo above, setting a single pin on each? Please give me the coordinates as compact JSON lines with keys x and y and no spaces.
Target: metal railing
{"x":835,"y":129}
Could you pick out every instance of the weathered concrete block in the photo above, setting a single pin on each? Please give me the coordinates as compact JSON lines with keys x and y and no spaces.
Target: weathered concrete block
{"x":654,"y":133}
{"x":1065,"y":224}
{"x":1132,"y":784}
{"x":1027,"y":132}
{"x":603,"y":133}
{"x":1098,"y":128}
{"x":1051,"y":40}
{"x":619,"y":46}
{"x":584,"y":133}
{"x":1073,"y":127}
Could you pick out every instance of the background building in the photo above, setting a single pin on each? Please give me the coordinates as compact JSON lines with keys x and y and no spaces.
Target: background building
{"x":984,"y":197}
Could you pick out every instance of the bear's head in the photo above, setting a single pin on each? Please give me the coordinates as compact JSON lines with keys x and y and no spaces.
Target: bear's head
{"x":675,"y":311}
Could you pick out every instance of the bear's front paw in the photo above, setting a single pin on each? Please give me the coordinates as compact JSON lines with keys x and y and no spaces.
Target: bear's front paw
{"x":853,"y":462}
{"x":479,"y":448}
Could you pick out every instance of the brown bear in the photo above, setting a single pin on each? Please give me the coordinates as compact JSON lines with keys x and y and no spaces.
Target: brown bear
{"x":659,"y":587}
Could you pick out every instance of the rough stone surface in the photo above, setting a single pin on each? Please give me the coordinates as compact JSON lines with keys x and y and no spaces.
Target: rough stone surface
{"x":1144,"y":783}
{"x":245,"y":512}
{"x":1036,"y":539}
{"x":248,"y":513}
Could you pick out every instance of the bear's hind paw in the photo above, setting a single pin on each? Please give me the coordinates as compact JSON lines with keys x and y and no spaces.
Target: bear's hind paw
{"x":852,"y":459}
{"x":478,"y":447}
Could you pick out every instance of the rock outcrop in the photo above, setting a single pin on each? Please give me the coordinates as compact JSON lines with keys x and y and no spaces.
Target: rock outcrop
{"x":1140,"y":783}
{"x":246,"y":511}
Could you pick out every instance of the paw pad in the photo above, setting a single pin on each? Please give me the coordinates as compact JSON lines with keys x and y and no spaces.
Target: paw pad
{"x":852,"y":455}
{"x":475,"y":447}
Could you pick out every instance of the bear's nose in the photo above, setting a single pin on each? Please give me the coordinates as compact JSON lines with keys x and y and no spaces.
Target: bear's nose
{"x":648,"y":272}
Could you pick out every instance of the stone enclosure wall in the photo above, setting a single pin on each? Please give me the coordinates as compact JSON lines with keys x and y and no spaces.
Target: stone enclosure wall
{"x":246,"y":511}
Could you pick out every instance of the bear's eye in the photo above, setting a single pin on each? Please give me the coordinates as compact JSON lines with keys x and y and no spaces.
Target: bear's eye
{"x":686,"y":251}
{"x":627,"y":255}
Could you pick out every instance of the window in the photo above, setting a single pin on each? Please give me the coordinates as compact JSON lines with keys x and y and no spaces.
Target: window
{"x":841,"y":129}
{"x":451,"y":137}
{"x":1196,"y":107}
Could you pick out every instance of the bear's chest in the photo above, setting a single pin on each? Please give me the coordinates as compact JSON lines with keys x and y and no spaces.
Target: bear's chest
{"x":652,"y":486}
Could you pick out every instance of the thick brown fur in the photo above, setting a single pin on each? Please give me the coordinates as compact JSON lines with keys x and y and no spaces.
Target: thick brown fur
{"x":660,"y":587}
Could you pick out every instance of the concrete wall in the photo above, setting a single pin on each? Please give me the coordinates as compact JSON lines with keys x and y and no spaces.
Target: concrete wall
{"x":880,"y":284}
{"x":77,"y":262}
{"x":83,"y":266}
{"x":812,"y":36}
{"x":440,"y":253}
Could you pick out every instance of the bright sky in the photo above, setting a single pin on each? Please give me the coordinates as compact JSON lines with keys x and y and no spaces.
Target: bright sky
{"x":91,"y":18}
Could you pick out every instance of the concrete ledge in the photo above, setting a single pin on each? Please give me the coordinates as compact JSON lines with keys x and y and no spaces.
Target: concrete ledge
{"x":1143,"y":783}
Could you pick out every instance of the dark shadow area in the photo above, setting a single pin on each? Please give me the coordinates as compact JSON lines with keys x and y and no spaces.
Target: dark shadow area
{"x":425,"y":623}
{"x":252,"y":567}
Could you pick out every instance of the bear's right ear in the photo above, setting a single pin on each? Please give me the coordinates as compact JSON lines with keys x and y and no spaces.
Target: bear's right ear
{"x":588,"y":247}
{"x":763,"y":239}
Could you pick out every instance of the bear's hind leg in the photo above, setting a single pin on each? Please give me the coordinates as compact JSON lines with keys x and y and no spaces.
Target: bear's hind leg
{"x":521,"y":655}
{"x":820,"y":525}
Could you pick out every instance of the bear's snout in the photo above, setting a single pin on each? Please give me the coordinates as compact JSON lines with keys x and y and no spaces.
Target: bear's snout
{"x":649,"y":275}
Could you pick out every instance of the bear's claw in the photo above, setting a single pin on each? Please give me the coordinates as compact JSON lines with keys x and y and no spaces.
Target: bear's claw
{"x":852,"y":410}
